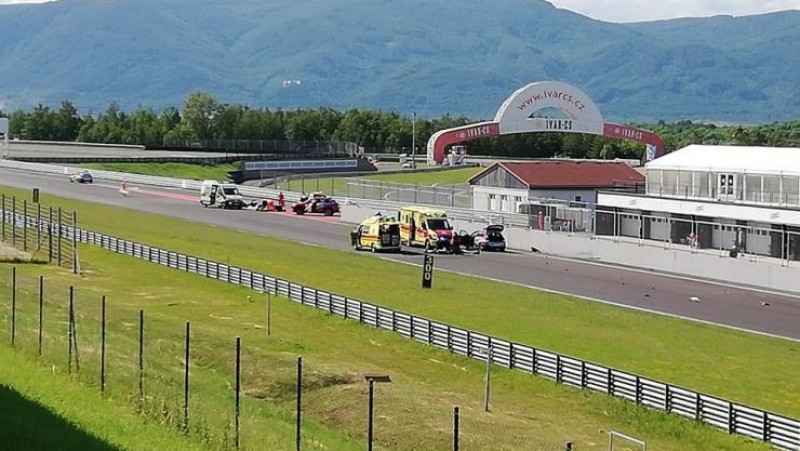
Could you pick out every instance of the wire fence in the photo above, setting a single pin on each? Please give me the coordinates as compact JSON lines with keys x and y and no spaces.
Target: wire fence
{"x":778,"y":430}
{"x":34,"y":229}
{"x":224,"y":392}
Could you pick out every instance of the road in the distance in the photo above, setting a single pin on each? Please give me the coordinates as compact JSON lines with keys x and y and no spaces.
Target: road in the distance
{"x":752,"y":310}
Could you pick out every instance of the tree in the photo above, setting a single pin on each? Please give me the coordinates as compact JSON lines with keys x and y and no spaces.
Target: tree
{"x":199,"y":110}
{"x":67,"y":122}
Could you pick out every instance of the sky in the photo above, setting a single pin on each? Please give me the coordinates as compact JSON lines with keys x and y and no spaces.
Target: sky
{"x":644,"y":10}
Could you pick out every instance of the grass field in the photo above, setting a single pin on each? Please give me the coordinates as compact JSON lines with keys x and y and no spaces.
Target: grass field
{"x":334,"y":186}
{"x":42,"y":409}
{"x":718,"y":361}
{"x":180,"y":170}
{"x":412,"y":413}
{"x":338,"y":186}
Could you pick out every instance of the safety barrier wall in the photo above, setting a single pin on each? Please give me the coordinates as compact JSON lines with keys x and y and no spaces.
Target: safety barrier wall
{"x":761,"y":272}
{"x":780,"y":431}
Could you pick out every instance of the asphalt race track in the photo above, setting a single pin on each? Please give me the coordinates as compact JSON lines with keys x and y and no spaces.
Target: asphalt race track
{"x":759,"y":311}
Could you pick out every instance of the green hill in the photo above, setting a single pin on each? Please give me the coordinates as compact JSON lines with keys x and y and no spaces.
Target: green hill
{"x":432,"y":57}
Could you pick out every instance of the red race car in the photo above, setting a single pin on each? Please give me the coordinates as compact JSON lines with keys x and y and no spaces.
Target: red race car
{"x":319,"y":203}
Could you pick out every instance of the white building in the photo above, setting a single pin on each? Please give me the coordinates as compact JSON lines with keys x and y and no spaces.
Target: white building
{"x":556,"y":193}
{"x":716,"y":197}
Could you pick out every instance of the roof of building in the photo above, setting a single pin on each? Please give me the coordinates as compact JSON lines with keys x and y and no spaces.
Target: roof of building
{"x":569,"y":173}
{"x":737,"y":159}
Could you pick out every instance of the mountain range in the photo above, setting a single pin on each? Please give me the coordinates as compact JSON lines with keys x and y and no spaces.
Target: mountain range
{"x":432,"y":57}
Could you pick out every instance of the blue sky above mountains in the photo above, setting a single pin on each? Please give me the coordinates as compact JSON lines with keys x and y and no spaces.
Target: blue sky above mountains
{"x":644,"y":10}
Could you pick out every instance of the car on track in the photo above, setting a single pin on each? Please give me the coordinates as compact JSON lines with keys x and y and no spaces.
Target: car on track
{"x":318,"y":203}
{"x":490,"y":238}
{"x":81,"y":177}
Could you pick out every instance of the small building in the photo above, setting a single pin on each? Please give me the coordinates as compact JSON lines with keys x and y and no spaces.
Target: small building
{"x":715,"y":197}
{"x":508,"y":187}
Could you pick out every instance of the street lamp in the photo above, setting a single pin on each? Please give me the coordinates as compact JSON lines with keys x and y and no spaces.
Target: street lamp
{"x":487,"y":352}
{"x":371,"y":380}
{"x":413,"y":141}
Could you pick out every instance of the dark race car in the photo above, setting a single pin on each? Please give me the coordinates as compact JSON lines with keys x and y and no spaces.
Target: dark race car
{"x":317,"y":204}
{"x":81,"y":177}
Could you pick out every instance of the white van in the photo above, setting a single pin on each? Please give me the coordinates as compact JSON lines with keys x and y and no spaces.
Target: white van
{"x":220,"y":195}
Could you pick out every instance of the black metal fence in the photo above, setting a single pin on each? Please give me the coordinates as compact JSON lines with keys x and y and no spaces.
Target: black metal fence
{"x":33,"y":228}
{"x":778,"y":430}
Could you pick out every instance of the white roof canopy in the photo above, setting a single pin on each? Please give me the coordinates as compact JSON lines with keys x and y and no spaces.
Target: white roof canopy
{"x":736,"y":159}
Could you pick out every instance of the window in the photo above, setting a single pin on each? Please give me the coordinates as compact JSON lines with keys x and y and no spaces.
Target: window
{"x":700,"y":185}
{"x":772,"y":188}
{"x":492,"y":202}
{"x":752,"y":188}
{"x":653,"y":182}
{"x":503,"y":203}
{"x":791,"y":193}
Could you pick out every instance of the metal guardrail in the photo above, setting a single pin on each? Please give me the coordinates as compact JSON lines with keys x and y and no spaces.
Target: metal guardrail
{"x":778,"y":430}
{"x":255,"y":192}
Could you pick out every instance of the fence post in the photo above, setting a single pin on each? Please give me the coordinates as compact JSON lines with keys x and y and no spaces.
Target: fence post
{"x":75,"y":261}
{"x":73,"y":332}
{"x":103,"y":344}
{"x":50,"y":236}
{"x":455,"y":428}
{"x":14,"y":221}
{"x":370,"y":416}
{"x":487,"y":381}
{"x":25,"y":225}
{"x":3,"y":224}
{"x":58,"y":237}
{"x":141,"y":360}
{"x":238,"y":390}
{"x":38,"y":226}
{"x":298,"y":416}
{"x":13,"y":305}
{"x":41,"y":311}
{"x":186,"y":382}
{"x":269,"y":313}
{"x":69,"y":330}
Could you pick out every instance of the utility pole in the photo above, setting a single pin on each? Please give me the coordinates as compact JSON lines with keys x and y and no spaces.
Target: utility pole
{"x":413,"y":140}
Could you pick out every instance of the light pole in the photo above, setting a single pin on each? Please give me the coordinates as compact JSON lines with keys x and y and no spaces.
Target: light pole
{"x":487,"y":352}
{"x":413,"y":140}
{"x":371,"y":380}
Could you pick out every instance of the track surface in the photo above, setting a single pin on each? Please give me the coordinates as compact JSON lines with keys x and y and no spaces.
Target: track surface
{"x":735,"y":307}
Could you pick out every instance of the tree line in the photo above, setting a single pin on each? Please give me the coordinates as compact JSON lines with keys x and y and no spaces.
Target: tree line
{"x":202,"y":118}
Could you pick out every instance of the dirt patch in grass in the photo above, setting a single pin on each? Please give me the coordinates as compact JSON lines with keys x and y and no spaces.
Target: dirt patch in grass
{"x":285,"y":386}
{"x":10,"y":254}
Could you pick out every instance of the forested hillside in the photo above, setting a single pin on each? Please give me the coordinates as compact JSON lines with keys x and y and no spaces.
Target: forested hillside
{"x":202,"y":120}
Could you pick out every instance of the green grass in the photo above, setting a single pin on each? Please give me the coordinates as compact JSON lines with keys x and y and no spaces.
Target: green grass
{"x":179,"y":170}
{"x":412,"y":413}
{"x":43,"y":410}
{"x":338,"y":186}
{"x":334,"y":186}
{"x":723,"y":362}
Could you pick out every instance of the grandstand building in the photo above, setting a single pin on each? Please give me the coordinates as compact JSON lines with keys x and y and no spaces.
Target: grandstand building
{"x":740,"y":199}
